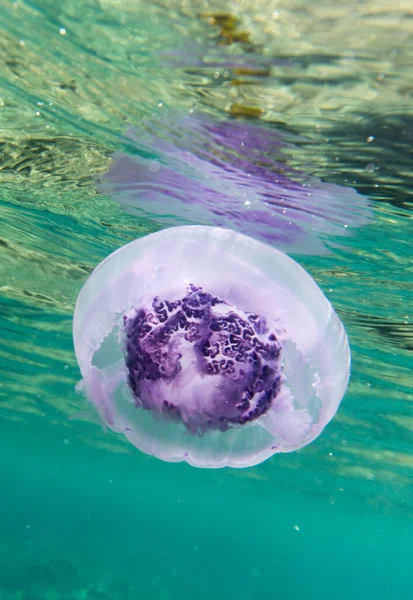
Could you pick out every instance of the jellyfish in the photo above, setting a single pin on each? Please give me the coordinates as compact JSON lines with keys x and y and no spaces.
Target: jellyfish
{"x":224,"y":174}
{"x":201,"y":344}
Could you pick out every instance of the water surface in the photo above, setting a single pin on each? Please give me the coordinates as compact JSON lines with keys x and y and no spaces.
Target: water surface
{"x":84,"y":515}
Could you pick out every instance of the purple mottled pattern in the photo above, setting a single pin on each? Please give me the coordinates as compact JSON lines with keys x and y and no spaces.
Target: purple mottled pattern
{"x":228,"y":360}
{"x":197,"y":170}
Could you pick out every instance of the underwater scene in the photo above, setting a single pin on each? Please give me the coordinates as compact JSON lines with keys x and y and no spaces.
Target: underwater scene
{"x":206,"y":277}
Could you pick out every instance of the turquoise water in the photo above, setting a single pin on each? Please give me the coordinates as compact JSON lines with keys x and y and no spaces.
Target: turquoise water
{"x":84,"y":514}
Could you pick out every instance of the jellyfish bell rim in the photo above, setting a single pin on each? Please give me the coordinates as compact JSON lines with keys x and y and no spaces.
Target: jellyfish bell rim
{"x":112,"y":267}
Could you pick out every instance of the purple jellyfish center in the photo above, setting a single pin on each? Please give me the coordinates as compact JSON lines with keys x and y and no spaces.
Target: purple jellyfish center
{"x":201,"y":361}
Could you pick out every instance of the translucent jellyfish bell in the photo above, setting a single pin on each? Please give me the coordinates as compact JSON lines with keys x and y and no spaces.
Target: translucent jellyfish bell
{"x":204,"y":345}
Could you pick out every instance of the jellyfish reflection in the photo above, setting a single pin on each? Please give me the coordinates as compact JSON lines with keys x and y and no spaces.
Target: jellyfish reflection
{"x":203,"y":345}
{"x":225,"y":174}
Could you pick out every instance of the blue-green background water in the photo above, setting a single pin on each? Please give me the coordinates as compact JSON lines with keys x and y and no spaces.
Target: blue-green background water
{"x":85,"y":515}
